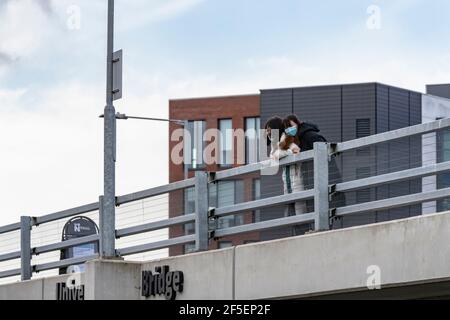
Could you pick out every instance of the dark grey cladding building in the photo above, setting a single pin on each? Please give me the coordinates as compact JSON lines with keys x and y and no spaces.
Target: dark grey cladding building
{"x":351,"y":111}
{"x":439,"y":90}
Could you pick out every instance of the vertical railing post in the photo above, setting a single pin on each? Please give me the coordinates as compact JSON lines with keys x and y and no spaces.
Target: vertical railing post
{"x":107,"y":233}
{"x":25,"y":248}
{"x":321,"y":181}
{"x":201,"y":211}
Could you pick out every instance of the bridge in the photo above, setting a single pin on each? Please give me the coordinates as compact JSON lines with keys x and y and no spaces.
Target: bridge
{"x":411,"y":255}
{"x":405,"y":258}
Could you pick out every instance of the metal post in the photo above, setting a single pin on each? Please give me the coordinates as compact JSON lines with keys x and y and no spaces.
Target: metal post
{"x":107,"y":236}
{"x":201,"y":211}
{"x":185,"y":162}
{"x":109,"y":201}
{"x":25,"y":248}
{"x":321,"y":197}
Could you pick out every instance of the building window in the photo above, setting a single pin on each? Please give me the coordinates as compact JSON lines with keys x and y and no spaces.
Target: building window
{"x":227,"y":193}
{"x":189,"y":208}
{"x":193,"y":147}
{"x":225,"y":244}
{"x":189,"y":248}
{"x":443,"y":179}
{"x":256,"y":196}
{"x":252,"y":138}
{"x":226,"y":142}
{"x":189,"y":200}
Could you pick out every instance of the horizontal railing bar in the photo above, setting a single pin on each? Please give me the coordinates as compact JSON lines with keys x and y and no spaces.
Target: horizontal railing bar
{"x":10,"y":256}
{"x":394,"y":202}
{"x":67,"y":213}
{"x":153,"y":192}
{"x":65,"y":244}
{"x":10,"y":228}
{"x":10,"y":273}
{"x":155,"y":226}
{"x":393,"y":177}
{"x":393,"y":135}
{"x":156,"y":245}
{"x":264,"y":203}
{"x":266,"y":225}
{"x":63,"y":263}
{"x":251,"y":168}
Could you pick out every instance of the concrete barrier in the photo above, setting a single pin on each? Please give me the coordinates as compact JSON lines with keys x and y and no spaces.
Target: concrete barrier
{"x":207,"y":276}
{"x":404,"y":252}
{"x":36,"y":289}
{"x":411,"y":254}
{"x":112,"y":280}
{"x":49,"y":285}
{"x":26,"y":290}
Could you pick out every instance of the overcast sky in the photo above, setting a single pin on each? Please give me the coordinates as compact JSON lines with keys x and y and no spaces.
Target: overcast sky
{"x":52,"y":76}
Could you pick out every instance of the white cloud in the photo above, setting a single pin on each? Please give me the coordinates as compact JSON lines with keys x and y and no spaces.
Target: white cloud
{"x":52,"y":159}
{"x":10,"y":98}
{"x":145,"y":11}
{"x":25,"y":27}
{"x":49,"y":159}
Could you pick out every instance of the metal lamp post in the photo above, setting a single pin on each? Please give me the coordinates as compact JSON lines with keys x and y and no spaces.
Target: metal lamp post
{"x":113,"y":92}
{"x":108,"y":205}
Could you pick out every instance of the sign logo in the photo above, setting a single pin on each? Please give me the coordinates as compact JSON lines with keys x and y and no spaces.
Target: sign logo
{"x":162,"y":282}
{"x":77,"y":227}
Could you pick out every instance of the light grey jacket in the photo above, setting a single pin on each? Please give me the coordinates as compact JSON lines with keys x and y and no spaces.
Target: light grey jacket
{"x":292,"y":177}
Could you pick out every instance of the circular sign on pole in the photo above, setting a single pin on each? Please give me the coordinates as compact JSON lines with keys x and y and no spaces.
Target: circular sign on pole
{"x":79,"y":227}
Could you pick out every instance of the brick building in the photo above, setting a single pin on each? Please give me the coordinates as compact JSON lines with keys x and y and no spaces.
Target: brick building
{"x":224,"y":114}
{"x":343,"y":113}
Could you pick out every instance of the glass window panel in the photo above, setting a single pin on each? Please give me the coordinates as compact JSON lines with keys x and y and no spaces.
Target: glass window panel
{"x":256,"y":196}
{"x":226,"y":197}
{"x":189,"y":200}
{"x":194,"y":146}
{"x":189,"y":248}
{"x":189,"y":207}
{"x":252,"y":126}
{"x":225,"y":244}
{"x":226,"y":142}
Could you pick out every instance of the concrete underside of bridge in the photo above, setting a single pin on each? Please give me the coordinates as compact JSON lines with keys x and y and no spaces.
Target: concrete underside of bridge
{"x":410,"y":258}
{"x":439,"y":290}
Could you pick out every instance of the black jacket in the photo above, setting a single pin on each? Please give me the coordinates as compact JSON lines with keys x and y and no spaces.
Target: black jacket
{"x":308,"y":134}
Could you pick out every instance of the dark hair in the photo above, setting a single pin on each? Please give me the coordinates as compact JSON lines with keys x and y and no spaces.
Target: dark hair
{"x":274,"y":123}
{"x":290,"y":140}
{"x":292,"y":118}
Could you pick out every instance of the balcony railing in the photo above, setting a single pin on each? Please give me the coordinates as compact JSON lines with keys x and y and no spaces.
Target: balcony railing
{"x":321,"y":194}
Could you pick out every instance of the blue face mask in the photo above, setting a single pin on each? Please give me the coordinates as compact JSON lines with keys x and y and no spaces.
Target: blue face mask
{"x":292,"y":131}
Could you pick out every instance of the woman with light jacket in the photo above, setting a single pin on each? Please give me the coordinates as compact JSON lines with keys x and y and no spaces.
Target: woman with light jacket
{"x":288,"y":145}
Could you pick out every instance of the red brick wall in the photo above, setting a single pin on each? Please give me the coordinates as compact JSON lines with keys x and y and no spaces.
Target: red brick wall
{"x":210,"y":110}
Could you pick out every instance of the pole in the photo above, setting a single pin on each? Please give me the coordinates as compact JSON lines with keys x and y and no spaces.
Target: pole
{"x":109,"y":200}
{"x":185,"y":162}
{"x":201,"y":211}
{"x":321,"y":181}
{"x":25,"y":248}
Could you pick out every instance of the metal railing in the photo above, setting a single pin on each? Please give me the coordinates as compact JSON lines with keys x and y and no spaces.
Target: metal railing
{"x":321,"y":194}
